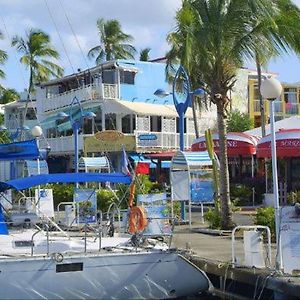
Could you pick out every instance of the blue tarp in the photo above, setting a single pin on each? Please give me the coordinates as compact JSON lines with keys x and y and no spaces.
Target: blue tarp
{"x":19,"y":150}
{"x":28,"y":182}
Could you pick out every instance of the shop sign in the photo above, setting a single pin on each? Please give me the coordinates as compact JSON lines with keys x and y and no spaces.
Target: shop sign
{"x":109,"y":141}
{"x":147,"y":137}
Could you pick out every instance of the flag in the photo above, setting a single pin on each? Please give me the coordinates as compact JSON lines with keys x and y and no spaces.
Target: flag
{"x":142,"y":168}
{"x":125,"y":163}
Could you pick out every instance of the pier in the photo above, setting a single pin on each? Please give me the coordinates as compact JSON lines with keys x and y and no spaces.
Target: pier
{"x":210,"y":250}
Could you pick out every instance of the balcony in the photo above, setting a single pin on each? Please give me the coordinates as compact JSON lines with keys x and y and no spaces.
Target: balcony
{"x":65,"y":144}
{"x":291,"y":108}
{"x":84,"y":94}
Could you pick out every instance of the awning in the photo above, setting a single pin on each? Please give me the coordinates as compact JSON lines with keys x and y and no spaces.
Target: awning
{"x":287,"y":144}
{"x":238,"y":143}
{"x":152,"y":163}
{"x":28,"y":182}
{"x":142,"y":108}
{"x":190,"y":160}
{"x":93,"y":163}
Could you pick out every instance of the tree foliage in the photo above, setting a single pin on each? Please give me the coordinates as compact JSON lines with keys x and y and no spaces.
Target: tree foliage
{"x":144,"y":54}
{"x":9,"y":95}
{"x":239,"y":122}
{"x":37,"y":56}
{"x":114,"y":43}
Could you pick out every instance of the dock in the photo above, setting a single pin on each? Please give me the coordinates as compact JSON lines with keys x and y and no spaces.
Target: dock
{"x":211,"y":251}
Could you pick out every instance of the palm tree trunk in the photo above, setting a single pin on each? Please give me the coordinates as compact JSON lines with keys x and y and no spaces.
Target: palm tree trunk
{"x":195,"y":117}
{"x":261,"y":100}
{"x":226,"y":216}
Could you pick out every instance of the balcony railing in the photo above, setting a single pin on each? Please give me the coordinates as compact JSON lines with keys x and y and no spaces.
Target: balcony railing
{"x":65,"y":144}
{"x":291,"y":108}
{"x":84,"y":94}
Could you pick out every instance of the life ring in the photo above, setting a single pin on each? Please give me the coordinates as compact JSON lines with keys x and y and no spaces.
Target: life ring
{"x":137,"y":220}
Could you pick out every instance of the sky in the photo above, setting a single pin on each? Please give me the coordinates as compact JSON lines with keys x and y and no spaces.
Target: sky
{"x":148,"y":21}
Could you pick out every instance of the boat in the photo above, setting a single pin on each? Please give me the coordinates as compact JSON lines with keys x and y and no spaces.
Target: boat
{"x":37,"y":263}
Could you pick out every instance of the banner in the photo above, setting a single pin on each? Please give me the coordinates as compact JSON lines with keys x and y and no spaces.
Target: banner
{"x":44,"y":198}
{"x":87,"y":205}
{"x":157,"y":214}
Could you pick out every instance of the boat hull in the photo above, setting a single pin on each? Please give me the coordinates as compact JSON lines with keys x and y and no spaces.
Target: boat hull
{"x":148,"y":275}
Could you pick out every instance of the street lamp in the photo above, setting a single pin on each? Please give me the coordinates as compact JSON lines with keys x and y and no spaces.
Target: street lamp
{"x":76,"y":124}
{"x":181,"y":106}
{"x":271,"y":89}
{"x":37,"y":132}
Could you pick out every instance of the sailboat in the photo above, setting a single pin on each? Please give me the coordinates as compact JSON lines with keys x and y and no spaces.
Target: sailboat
{"x":36,"y":263}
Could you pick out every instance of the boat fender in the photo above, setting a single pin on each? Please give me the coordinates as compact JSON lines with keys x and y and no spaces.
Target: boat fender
{"x":58,"y":257}
{"x":137,"y":219}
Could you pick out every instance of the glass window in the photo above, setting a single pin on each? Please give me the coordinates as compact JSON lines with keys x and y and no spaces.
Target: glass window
{"x":110,"y":122}
{"x":126,"y":128}
{"x":127,"y":77}
{"x":155,"y":123}
{"x":108,"y":76}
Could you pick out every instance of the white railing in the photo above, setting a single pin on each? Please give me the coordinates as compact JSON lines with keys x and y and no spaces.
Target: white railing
{"x":63,"y":144}
{"x":164,"y":140}
{"x":83,"y":94}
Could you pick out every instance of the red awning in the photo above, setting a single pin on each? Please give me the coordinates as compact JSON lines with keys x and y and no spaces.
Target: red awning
{"x":160,"y":155}
{"x":287,"y":144}
{"x":238,"y":143}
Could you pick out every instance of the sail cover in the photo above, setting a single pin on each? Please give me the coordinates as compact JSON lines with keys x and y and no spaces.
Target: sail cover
{"x":31,"y":181}
{"x":19,"y":150}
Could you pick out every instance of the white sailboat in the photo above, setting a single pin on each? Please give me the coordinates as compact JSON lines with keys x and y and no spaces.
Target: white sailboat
{"x":38,"y":264}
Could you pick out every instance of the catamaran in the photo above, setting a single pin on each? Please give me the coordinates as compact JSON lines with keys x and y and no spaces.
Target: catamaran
{"x":36,"y":263}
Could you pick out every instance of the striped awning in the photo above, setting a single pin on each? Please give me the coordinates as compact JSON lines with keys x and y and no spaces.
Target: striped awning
{"x":190,"y":160}
{"x":93,"y":163}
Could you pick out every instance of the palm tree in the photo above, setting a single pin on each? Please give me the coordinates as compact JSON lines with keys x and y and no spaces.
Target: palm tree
{"x":3,"y":58}
{"x":113,"y":42}
{"x":37,"y":54}
{"x":221,"y":37}
{"x":9,"y":95}
{"x":284,"y":35}
{"x":144,"y":54}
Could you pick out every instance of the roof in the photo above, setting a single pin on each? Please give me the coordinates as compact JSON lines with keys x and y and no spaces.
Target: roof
{"x":141,"y":108}
{"x":183,"y":160}
{"x":28,"y":182}
{"x":287,"y":123}
{"x":20,"y":104}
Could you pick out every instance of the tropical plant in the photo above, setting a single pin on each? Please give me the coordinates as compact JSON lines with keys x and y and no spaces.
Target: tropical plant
{"x":212,"y":39}
{"x":144,"y":54}
{"x":3,"y":58}
{"x":283,"y":34}
{"x":113,"y":42}
{"x":9,"y":95}
{"x":37,"y":56}
{"x":238,"y":122}
{"x":266,"y":217}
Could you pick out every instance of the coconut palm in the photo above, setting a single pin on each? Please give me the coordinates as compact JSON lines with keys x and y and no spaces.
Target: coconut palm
{"x":37,"y":56}
{"x":9,"y":95}
{"x":144,"y":54}
{"x":113,"y":42}
{"x":3,"y":58}
{"x":283,"y":32}
{"x":213,"y":48}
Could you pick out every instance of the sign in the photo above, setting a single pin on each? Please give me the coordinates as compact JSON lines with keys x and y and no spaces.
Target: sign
{"x":290,"y":240}
{"x":147,"y":137}
{"x":109,"y":140}
{"x":44,"y":198}
{"x":157,"y":214}
{"x":202,"y":187}
{"x":87,"y":205}
{"x":32,"y":167}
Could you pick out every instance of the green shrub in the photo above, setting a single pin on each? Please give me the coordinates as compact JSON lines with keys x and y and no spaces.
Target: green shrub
{"x":213,"y":217}
{"x":104,"y":199}
{"x":61,"y":193}
{"x":266,"y":217}
{"x":293,"y":197}
{"x":240,"y":194}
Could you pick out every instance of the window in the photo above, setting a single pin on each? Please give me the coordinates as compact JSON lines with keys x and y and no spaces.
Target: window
{"x":109,"y":76}
{"x":155,"y":123}
{"x":128,"y":124}
{"x":127,"y":77}
{"x":110,"y":122}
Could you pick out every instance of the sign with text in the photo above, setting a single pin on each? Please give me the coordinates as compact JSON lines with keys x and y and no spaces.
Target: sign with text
{"x":109,"y":140}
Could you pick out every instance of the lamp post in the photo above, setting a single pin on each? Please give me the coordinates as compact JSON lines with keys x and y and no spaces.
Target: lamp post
{"x":271,"y":89}
{"x":37,"y":132}
{"x":181,"y":106}
{"x":76,"y":125}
